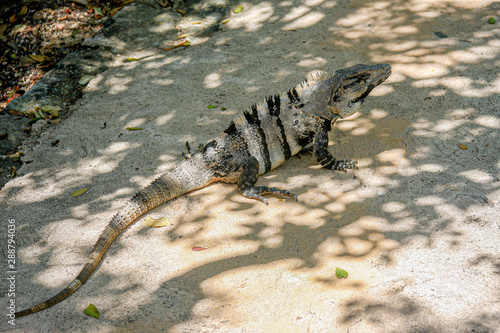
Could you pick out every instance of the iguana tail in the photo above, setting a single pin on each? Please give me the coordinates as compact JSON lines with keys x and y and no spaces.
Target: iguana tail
{"x":187,"y":176}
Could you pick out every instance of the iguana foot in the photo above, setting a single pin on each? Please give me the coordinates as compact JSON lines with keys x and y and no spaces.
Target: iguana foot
{"x":342,"y":165}
{"x":256,"y":193}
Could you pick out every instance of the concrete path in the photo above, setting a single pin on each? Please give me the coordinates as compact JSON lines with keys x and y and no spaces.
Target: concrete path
{"x":416,"y":227}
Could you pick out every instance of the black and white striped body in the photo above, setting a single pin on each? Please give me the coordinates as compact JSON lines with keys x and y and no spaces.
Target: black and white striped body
{"x":271,"y":132}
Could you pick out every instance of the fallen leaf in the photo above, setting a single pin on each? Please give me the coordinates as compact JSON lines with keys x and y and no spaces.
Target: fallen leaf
{"x":157,"y":223}
{"x":52,"y":109}
{"x":13,"y":18}
{"x":3,"y":27}
{"x":133,"y":128}
{"x":225,"y":21}
{"x":15,"y":113}
{"x":23,"y":11}
{"x":492,"y":20}
{"x":113,"y":11}
{"x":185,"y":43}
{"x":92,"y":311}
{"x":98,"y":12}
{"x":13,"y":171}
{"x":81,"y":2}
{"x":340,"y":273}
{"x":210,"y":106}
{"x":197,"y":22}
{"x":462,"y":146}
{"x":85,"y":79}
{"x":79,"y":192}
{"x":130,"y":59}
{"x":198,"y":248}
{"x":238,"y":9}
{"x":16,"y":156}
{"x":26,"y":61}
{"x":12,"y":97}
{"x":18,"y":28}
{"x":180,"y":11}
{"x":34,"y":120}
{"x":39,"y":57}
{"x":60,"y":26}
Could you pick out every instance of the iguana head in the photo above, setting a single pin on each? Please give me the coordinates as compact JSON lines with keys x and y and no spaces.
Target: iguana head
{"x":333,"y":95}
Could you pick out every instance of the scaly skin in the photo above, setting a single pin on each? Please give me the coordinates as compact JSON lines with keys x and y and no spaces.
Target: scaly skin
{"x":260,"y":140}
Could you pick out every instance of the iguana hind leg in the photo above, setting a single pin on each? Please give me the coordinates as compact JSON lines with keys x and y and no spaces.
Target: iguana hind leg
{"x":248,"y":178}
{"x":324,"y":157}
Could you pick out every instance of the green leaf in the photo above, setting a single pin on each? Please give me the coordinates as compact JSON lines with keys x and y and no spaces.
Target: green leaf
{"x":82,"y":2}
{"x":92,"y":311}
{"x":238,"y":9}
{"x":130,"y":59}
{"x":133,"y":128}
{"x":52,"y":109}
{"x":492,"y":20}
{"x":210,"y":106}
{"x":340,"y":273}
{"x":39,"y":57}
{"x":79,"y":192}
{"x":34,"y":120}
{"x":23,"y":11}
{"x":85,"y":79}
{"x":98,"y":12}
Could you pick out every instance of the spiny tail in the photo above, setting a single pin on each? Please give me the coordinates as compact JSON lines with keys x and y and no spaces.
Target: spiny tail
{"x":187,"y":176}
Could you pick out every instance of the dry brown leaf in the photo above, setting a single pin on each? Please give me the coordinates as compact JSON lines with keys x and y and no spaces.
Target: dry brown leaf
{"x":462,"y":146}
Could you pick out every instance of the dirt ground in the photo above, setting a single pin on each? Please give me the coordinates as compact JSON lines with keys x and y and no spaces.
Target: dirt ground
{"x":416,"y":227}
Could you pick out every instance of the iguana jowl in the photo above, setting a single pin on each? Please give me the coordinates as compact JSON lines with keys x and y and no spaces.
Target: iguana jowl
{"x":260,"y":140}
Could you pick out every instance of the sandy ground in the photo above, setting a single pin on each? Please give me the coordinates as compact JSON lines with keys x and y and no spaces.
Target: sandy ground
{"x":416,"y":227}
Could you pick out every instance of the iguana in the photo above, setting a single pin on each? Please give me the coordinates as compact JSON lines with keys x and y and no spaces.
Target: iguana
{"x":260,"y":140}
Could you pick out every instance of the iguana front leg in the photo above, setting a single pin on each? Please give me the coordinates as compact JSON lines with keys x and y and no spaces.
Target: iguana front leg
{"x":324,"y":157}
{"x":191,"y":152}
{"x":248,"y":178}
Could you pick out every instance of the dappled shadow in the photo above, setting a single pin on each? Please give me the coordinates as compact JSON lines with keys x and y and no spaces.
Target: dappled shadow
{"x":417,"y":197}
